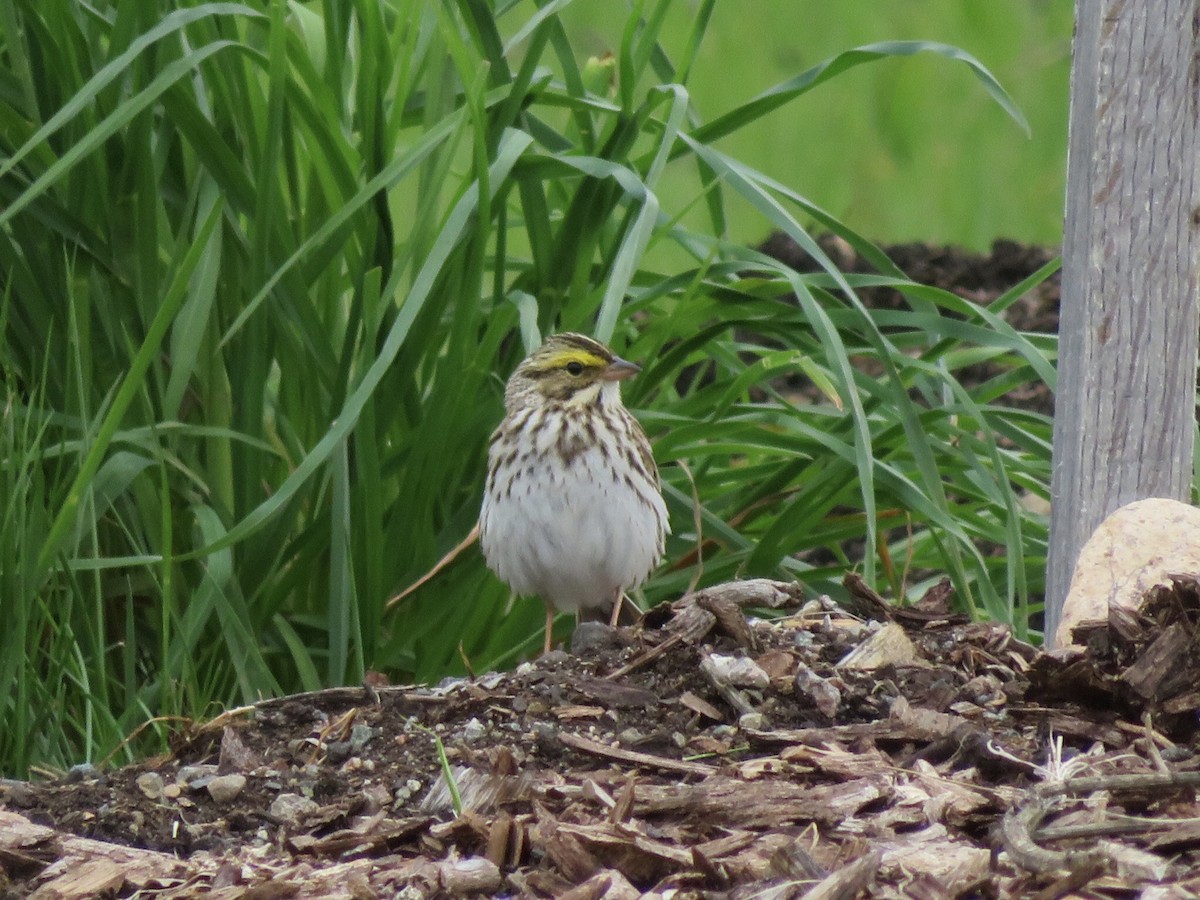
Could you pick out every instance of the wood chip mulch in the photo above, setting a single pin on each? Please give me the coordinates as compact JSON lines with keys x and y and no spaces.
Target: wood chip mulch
{"x":830,"y":753}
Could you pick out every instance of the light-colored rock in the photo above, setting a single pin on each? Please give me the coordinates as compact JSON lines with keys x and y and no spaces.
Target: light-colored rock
{"x":739,"y":671}
{"x":151,"y":784}
{"x":889,"y":646}
{"x":1134,"y":550}
{"x":225,"y":788}
{"x":821,"y":692}
{"x":292,"y":808}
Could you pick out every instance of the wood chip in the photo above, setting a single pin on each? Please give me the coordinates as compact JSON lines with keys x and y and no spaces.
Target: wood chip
{"x":889,"y":646}
{"x":848,"y":881}
{"x":596,"y":748}
{"x":701,"y":706}
{"x":85,"y":867}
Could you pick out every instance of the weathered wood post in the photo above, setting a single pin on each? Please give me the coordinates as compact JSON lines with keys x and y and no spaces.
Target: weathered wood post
{"x":1124,"y":411}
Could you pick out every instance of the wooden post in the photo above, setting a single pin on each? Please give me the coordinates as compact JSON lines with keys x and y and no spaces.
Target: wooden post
{"x":1125,"y":406}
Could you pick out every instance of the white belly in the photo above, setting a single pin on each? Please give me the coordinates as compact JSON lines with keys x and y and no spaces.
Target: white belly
{"x":573,"y":536}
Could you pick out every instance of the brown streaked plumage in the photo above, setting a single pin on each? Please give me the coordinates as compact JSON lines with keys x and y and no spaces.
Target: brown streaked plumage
{"x":572,"y":509}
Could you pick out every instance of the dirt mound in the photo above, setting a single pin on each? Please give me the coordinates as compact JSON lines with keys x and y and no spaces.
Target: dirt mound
{"x":703,"y":752}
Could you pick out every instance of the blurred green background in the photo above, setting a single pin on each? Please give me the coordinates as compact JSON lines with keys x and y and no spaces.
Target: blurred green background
{"x":903,"y":150}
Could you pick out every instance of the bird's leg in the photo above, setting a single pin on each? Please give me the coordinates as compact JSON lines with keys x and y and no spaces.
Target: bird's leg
{"x":616,"y":610}
{"x":549,"y":628}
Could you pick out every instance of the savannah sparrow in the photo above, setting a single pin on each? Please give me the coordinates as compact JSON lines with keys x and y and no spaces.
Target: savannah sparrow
{"x":573,"y":510}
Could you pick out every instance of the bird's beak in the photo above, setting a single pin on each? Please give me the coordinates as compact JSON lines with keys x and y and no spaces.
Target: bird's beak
{"x":620,"y":369}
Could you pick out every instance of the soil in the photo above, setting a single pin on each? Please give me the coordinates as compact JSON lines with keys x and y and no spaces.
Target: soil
{"x":978,"y":277}
{"x":703,"y":752}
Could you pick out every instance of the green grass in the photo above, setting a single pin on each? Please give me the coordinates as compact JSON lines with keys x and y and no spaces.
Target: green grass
{"x":266,"y":268}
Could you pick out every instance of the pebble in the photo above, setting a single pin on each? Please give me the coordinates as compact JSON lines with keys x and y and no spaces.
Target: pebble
{"x":473,"y":730}
{"x":594,"y":637}
{"x":406,"y":792}
{"x":360,"y":736}
{"x":630,"y":737}
{"x":754,"y":721}
{"x":290,"y":808}
{"x":739,"y":671}
{"x":224,"y":788}
{"x":151,"y":785}
{"x":821,"y":692}
{"x":195,"y":777}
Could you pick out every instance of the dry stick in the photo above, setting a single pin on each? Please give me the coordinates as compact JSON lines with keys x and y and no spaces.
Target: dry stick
{"x":651,"y":654}
{"x":1066,"y":886}
{"x":466,"y":661}
{"x":1019,"y":825}
{"x":576,"y":742}
{"x":441,"y":564}
{"x":849,"y":880}
{"x":1150,"y":781}
{"x":1017,"y":830}
{"x":129,"y":738}
{"x":1152,"y":744}
{"x":1117,"y":825}
{"x":728,"y":692}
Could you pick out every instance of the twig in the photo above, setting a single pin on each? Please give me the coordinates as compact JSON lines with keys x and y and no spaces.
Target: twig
{"x":1115,"y":825}
{"x":849,"y":880}
{"x":438,"y":566}
{"x":728,"y":692}
{"x":1151,"y":742}
{"x":651,"y":654}
{"x":576,"y":742}
{"x":1017,"y":829}
{"x":1147,"y":781}
{"x":1020,"y":824}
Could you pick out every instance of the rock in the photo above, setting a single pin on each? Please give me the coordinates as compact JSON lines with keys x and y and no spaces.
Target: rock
{"x":1134,"y":550}
{"x":753,"y":721}
{"x":591,"y":638}
{"x":739,"y":671}
{"x":820,"y":692}
{"x":888,"y":646}
{"x":473,"y":730}
{"x":151,"y":785}
{"x":82,"y":772}
{"x":291,"y":808}
{"x":360,"y":736}
{"x":225,"y":788}
{"x":195,"y":777}
{"x":235,"y":755}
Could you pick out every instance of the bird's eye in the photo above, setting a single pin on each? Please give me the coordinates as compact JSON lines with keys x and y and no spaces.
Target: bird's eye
{"x":575,"y":367}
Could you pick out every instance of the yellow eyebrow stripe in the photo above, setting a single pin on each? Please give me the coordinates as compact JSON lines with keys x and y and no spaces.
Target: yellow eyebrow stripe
{"x":560,"y":359}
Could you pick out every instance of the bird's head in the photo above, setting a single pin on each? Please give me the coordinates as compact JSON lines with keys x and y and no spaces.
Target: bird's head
{"x":570,"y":369}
